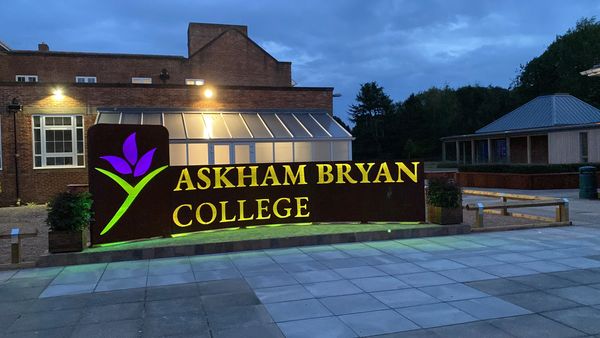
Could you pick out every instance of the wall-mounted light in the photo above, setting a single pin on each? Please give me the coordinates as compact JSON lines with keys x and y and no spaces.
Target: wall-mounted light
{"x":57,"y":94}
{"x":208,"y":93}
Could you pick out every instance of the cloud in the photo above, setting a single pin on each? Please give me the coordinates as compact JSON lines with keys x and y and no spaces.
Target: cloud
{"x":406,"y":46}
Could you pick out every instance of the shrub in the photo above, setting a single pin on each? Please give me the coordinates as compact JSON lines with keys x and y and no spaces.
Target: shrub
{"x":69,"y":211}
{"x":526,"y":168}
{"x":444,"y":193}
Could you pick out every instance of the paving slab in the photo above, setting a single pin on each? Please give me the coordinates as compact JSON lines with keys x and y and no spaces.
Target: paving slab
{"x":433,"y":315}
{"x":584,"y":319}
{"x":297,"y":309}
{"x":404,"y":298}
{"x":490,"y":307}
{"x":534,"y":326}
{"x":377,"y":322}
{"x":328,"y":327}
{"x":539,"y":301}
{"x":341,"y":305}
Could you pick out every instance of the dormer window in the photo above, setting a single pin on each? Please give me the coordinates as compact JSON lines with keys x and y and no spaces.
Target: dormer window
{"x":141,"y":80}
{"x":85,"y":79}
{"x":26,"y":78}
{"x":194,"y":82}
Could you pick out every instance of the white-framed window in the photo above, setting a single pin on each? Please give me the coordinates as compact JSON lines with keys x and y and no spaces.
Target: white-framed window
{"x":58,"y":141}
{"x":141,"y":80}
{"x":26,"y":78}
{"x":85,"y":79}
{"x":194,"y":82}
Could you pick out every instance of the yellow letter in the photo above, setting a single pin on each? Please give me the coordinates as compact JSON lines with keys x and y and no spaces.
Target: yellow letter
{"x":221,"y":178}
{"x":403,"y":169}
{"x":184,"y":178}
{"x":224,"y":213}
{"x":204,"y":178}
{"x":262,"y":208}
{"x":293,"y":178}
{"x":176,"y":216}
{"x":364,"y":172}
{"x":302,"y":206}
{"x":242,"y":217}
{"x":213,"y":210}
{"x":383,"y":171}
{"x":288,"y":211}
{"x":343,"y":171}
{"x":251,"y":176}
{"x":270,"y":175}
{"x":325,"y":170}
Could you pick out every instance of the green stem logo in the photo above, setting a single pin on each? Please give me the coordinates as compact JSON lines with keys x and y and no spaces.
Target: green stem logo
{"x":126,"y":166}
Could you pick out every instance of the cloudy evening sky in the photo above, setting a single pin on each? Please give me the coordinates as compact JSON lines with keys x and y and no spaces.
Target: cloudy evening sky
{"x":406,"y":46}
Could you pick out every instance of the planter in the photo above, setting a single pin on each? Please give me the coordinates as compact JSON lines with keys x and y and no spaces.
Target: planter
{"x":67,"y":241}
{"x":444,"y":216}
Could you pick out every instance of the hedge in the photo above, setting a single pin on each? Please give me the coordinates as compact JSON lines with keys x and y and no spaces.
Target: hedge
{"x":526,"y":168}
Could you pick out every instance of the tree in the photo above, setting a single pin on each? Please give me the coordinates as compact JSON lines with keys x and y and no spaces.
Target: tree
{"x":371,"y":101}
{"x":557,"y":69}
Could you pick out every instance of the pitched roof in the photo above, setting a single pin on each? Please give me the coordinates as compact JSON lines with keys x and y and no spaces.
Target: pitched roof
{"x":544,"y":112}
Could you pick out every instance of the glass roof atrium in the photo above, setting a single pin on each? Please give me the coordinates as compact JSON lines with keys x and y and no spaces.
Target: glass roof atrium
{"x":219,"y":125}
{"x":200,"y":137}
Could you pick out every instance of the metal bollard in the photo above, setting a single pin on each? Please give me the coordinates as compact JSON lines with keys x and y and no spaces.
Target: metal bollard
{"x":562,"y":212}
{"x":15,"y":246}
{"x":479,"y":215}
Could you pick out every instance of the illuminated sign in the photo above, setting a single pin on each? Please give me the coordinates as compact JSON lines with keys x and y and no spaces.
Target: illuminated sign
{"x":138,"y":195}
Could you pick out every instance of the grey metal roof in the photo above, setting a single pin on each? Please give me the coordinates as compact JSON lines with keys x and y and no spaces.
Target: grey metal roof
{"x":545,"y":112}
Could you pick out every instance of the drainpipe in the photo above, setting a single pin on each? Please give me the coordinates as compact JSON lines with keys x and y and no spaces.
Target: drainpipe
{"x":15,"y":107}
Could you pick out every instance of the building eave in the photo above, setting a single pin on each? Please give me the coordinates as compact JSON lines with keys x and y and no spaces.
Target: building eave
{"x":519,"y":132}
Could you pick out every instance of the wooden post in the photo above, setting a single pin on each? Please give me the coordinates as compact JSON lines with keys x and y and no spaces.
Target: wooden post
{"x":457,"y":152}
{"x":489,"y":145}
{"x":562,"y":211}
{"x":504,"y":210}
{"x":473,"y":152}
{"x":444,"y":152}
{"x":479,"y":216}
{"x":508,"y":150}
{"x":15,"y":246}
{"x":528,"y":149}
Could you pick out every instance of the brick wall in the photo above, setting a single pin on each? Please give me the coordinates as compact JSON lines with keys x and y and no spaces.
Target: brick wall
{"x":38,"y":185}
{"x":232,"y":59}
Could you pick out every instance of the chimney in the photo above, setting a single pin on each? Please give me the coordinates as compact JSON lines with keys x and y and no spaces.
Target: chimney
{"x":199,"y":34}
{"x":43,"y":47}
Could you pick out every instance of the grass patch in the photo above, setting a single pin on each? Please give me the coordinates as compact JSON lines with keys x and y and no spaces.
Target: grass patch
{"x":254,"y":233}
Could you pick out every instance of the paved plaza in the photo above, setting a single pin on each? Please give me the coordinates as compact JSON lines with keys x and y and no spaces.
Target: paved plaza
{"x":527,"y":283}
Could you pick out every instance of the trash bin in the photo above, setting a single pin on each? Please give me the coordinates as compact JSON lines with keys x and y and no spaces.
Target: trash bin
{"x":588,"y":186}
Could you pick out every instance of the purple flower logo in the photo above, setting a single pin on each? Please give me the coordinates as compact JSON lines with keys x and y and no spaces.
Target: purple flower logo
{"x":131,"y":163}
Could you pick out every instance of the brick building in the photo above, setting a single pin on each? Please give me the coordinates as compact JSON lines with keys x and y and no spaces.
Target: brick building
{"x":228,"y":101}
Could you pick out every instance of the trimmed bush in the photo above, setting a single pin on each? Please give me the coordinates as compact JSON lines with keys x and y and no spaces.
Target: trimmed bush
{"x":444,"y":194}
{"x":526,"y":168}
{"x":69,"y":211}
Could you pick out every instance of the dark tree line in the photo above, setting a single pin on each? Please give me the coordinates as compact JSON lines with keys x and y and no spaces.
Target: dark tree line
{"x":385,"y":129}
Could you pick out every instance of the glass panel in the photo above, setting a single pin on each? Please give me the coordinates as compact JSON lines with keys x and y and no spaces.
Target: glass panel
{"x":257,"y":127}
{"x":79,"y":121}
{"x":293,"y":125}
{"x":152,"y":119}
{"x":109,"y":118}
{"x":242,"y":153}
{"x":177,"y":153}
{"x":275,"y":126}
{"x":221,"y":154}
{"x":36,"y":121}
{"x":38,"y":161}
{"x":133,"y":118}
{"x":195,"y":126}
{"x":215,"y":126}
{"x":198,"y":153}
{"x":341,"y":151}
{"x":302,"y":152}
{"x":322,"y":151}
{"x":80,"y":160}
{"x":313,"y":127}
{"x":284,"y":152}
{"x":330,"y":125}
{"x":263,"y":152}
{"x":236,"y":126}
{"x":174,"y":123}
